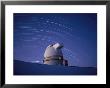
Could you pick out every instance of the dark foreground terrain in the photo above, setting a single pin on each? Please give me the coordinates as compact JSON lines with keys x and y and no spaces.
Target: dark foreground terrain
{"x":26,"y":68}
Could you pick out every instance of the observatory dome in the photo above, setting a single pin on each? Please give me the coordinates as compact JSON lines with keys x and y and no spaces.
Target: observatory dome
{"x":53,"y":55}
{"x":53,"y":50}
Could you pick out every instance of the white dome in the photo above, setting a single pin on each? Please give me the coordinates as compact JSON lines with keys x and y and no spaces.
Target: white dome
{"x":53,"y":50}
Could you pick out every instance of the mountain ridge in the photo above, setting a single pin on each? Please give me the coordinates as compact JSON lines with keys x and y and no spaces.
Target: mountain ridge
{"x":27,"y":68}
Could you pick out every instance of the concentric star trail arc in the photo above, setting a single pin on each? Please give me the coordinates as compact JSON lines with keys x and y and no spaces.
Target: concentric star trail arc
{"x":77,"y":31}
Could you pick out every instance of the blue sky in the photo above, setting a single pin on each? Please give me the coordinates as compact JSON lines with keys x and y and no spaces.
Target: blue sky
{"x":33,"y":32}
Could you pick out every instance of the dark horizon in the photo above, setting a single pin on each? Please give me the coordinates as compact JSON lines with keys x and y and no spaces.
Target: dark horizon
{"x":33,"y":32}
{"x":43,"y":69}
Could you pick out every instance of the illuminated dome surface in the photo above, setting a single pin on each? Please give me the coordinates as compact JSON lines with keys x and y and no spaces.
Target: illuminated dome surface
{"x":53,"y":50}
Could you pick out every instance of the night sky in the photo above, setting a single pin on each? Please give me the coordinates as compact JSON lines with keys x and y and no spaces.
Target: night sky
{"x":33,"y":32}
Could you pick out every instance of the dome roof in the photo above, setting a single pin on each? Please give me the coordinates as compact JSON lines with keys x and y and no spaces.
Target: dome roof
{"x":53,"y":50}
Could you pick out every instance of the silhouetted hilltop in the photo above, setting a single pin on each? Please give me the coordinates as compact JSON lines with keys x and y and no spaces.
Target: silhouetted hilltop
{"x":26,"y":68}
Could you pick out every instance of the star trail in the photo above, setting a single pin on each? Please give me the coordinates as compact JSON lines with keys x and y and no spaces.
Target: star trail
{"x":33,"y":32}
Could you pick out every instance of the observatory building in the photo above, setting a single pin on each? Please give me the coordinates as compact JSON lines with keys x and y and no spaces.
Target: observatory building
{"x":53,"y":55}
